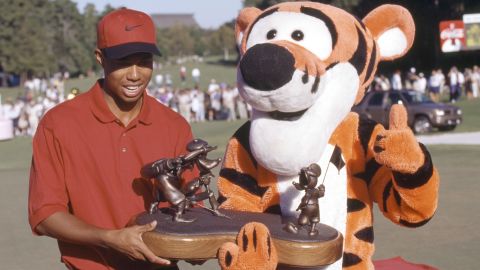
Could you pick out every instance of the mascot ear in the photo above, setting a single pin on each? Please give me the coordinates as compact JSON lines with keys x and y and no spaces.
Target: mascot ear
{"x":244,"y":19}
{"x":393,"y":29}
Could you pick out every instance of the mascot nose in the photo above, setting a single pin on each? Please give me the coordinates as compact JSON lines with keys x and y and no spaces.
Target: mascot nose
{"x":267,"y":66}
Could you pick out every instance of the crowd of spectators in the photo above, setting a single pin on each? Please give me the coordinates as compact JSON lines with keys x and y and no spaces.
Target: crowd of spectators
{"x":39,"y":96}
{"x":453,"y":84}
{"x":219,"y":101}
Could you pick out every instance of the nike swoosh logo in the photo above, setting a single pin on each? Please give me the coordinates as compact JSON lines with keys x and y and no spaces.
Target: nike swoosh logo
{"x":132,"y":27}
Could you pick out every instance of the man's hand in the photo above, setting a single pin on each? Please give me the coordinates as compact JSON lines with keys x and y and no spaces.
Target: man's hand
{"x":129,"y":242}
{"x":397,"y":147}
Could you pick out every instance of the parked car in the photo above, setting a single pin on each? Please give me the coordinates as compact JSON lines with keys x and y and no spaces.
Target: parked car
{"x":423,"y":113}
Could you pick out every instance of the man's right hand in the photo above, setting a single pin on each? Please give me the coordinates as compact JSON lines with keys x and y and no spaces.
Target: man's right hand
{"x":129,"y":242}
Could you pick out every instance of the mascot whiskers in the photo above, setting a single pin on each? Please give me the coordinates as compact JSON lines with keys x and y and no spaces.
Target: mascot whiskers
{"x":303,"y":66}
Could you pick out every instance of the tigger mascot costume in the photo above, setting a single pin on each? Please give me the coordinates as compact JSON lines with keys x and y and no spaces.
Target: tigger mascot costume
{"x":303,"y":66}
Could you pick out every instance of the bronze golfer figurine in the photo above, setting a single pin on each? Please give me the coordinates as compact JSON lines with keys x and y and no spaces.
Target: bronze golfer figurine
{"x":199,"y":149}
{"x":167,"y":173}
{"x":309,"y":208}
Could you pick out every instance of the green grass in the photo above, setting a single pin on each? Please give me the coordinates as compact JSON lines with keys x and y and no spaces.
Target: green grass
{"x":448,"y":241}
{"x":10,"y":93}
{"x":217,"y":133}
{"x":211,"y":68}
{"x":83,"y":84}
{"x":16,"y":153}
{"x":471,"y":115}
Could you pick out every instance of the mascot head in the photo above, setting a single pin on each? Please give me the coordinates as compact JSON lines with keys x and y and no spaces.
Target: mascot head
{"x":303,"y":65}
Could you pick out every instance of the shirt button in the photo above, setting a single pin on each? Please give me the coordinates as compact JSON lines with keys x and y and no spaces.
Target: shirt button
{"x":124,"y":149}
{"x":124,"y":134}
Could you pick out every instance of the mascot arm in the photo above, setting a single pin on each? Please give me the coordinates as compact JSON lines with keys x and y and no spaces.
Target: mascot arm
{"x":237,"y":183}
{"x":254,"y":249}
{"x":239,"y":190}
{"x":406,"y":185}
{"x":237,"y":198}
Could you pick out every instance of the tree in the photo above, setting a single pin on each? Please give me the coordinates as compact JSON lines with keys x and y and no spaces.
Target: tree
{"x":89,"y":32}
{"x":68,"y":41}
{"x":40,"y":37}
{"x":24,"y":44}
{"x":348,"y":5}
{"x":202,"y":42}
{"x":223,"y":40}
{"x":176,"y":41}
{"x":261,"y":4}
{"x":107,"y":9}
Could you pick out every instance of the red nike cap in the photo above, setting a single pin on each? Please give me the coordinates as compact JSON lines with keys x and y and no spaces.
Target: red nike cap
{"x":126,"y":31}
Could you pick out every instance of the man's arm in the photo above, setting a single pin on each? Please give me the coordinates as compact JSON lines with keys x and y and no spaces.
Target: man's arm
{"x":66,"y":227}
{"x":48,"y":204}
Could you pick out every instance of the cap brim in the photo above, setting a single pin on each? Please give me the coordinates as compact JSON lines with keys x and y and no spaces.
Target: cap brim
{"x":121,"y":51}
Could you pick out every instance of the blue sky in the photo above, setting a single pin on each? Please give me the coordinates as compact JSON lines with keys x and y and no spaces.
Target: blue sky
{"x":208,"y":13}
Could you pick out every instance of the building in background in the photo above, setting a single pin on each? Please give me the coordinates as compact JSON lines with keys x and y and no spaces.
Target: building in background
{"x":169,"y":20}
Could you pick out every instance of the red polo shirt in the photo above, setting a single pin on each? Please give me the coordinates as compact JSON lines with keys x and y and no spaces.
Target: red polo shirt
{"x":87,"y":163}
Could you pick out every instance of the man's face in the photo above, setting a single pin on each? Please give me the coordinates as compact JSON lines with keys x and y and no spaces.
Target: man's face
{"x":127,"y":78}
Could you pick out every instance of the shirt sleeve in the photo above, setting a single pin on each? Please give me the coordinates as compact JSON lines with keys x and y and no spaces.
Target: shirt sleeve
{"x":47,"y":191}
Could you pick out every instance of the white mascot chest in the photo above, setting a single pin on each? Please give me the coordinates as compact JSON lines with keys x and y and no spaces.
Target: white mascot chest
{"x":333,"y":206}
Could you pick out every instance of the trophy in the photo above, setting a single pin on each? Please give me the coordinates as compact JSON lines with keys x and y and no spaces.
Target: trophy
{"x":189,"y":230}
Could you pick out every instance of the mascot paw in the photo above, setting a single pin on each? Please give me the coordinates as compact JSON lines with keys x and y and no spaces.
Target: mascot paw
{"x":397,"y":147}
{"x":254,"y":250}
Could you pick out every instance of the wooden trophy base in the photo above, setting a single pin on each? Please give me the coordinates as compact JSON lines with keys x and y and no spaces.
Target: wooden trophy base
{"x":201,"y":239}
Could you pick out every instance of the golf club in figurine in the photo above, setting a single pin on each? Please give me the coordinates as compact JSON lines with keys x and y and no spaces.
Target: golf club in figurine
{"x":167,"y":173}
{"x":309,"y":208}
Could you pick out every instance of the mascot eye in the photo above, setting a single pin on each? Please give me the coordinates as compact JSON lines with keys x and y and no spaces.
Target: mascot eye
{"x":297,"y":35}
{"x":272,"y":34}
{"x":306,"y":31}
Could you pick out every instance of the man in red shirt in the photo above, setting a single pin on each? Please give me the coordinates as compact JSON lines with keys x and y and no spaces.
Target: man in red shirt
{"x":85,"y":183}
